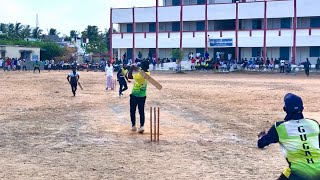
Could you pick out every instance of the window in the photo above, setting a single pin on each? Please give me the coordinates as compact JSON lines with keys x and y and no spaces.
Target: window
{"x":129,"y":53}
{"x":175,"y":2}
{"x":314,"y":51}
{"x":3,"y":54}
{"x":286,"y":23}
{"x":315,"y":22}
{"x":175,"y":26}
{"x":257,"y":24}
{"x":200,"y":2}
{"x":201,"y":51}
{"x":129,"y":28}
{"x":284,"y":53}
{"x":200,"y":26}
{"x":152,"y":27}
{"x":256,"y":52}
{"x":224,"y":25}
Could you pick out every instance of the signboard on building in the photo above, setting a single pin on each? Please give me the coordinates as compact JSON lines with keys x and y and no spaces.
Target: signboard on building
{"x":222,"y":42}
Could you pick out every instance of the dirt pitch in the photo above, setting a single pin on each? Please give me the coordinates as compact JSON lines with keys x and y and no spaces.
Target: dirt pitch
{"x":209,"y":126}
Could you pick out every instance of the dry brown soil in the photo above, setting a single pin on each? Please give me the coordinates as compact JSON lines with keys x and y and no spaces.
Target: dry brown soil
{"x":209,"y":126}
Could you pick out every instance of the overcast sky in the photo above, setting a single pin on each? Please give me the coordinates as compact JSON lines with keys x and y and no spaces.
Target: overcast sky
{"x":64,"y":15}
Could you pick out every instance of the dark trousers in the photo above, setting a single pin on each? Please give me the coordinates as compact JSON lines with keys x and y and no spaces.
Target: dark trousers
{"x":34,"y":70}
{"x":24,"y":68}
{"x":306,"y":70}
{"x":123,"y":86}
{"x":134,"y":102}
{"x":74,"y":88}
{"x":281,"y":69}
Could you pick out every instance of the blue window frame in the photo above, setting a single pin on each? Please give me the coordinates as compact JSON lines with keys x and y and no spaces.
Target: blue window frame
{"x":201,"y":51}
{"x":200,"y":26}
{"x":256,"y":24}
{"x":286,"y":23}
{"x":152,"y":27}
{"x":314,"y":51}
{"x":129,"y":28}
{"x":315,"y":22}
{"x":200,"y":2}
{"x":175,"y":2}
{"x":256,"y":52}
{"x":284,"y":53}
{"x":175,"y":26}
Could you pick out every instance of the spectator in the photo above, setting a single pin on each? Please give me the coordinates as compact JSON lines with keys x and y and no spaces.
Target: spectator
{"x":140,"y":55}
{"x":318,"y":64}
{"x":24,"y":65}
{"x":207,"y":55}
{"x":36,"y":66}
{"x":192,"y":63}
{"x":282,"y":63}
{"x":154,"y":62}
{"x":307,"y":66}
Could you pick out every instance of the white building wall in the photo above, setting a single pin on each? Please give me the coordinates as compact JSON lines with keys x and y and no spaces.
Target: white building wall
{"x":145,"y":14}
{"x":122,"y":15}
{"x":190,"y":15}
{"x":221,"y":11}
{"x":251,"y":10}
{"x":308,"y":8}
{"x":279,"y":9}
{"x":14,"y":51}
{"x":169,"y":14}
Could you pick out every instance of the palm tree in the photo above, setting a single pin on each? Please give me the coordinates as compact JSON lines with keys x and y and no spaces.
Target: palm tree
{"x":17,"y":29}
{"x":73,"y":34}
{"x":36,"y":32}
{"x":11,"y":31}
{"x":25,"y":32}
{"x":3,"y":28}
{"x":53,"y":32}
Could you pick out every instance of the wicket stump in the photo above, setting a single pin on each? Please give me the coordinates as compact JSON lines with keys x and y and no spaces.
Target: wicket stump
{"x":155,"y":129}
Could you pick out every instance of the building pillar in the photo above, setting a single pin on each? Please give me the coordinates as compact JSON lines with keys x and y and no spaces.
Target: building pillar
{"x":294,"y":48}
{"x":181,"y":22}
{"x":206,"y":25}
{"x":133,"y":36}
{"x":157,"y":31}
{"x":237,"y":32}
{"x":265,"y":33}
{"x":110,"y":35}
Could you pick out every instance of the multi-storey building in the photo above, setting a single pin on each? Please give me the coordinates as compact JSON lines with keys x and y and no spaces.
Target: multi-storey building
{"x":287,"y":29}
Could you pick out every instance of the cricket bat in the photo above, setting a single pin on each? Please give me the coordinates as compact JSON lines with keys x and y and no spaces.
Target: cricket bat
{"x":80,"y":85}
{"x":151,"y":80}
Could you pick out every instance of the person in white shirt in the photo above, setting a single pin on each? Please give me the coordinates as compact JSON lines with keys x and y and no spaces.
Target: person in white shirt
{"x":109,"y":75}
{"x":73,"y":79}
{"x":1,"y":63}
{"x":282,"y":63}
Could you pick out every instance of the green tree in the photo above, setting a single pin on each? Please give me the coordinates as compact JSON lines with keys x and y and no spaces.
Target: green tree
{"x":97,"y":46}
{"x":17,"y":29}
{"x":50,"y":50}
{"x":36,"y":33}
{"x":91,"y":32}
{"x":25,"y":32}
{"x":53,"y":32}
{"x":177,"y":54}
{"x":3,"y":28}
{"x":73,"y":34}
{"x":11,"y":30}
